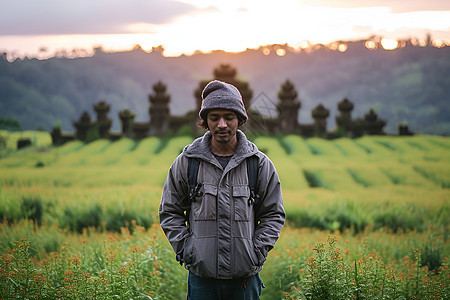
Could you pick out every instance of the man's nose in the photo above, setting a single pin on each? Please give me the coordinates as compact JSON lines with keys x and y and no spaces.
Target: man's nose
{"x":222,"y":123}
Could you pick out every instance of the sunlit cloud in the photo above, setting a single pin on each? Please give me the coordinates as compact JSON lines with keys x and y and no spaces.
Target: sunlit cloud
{"x":185,"y":26}
{"x":45,"y":17}
{"x":397,"y":6}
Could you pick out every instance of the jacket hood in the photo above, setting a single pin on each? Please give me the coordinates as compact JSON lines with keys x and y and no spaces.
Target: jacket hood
{"x":200,"y":147}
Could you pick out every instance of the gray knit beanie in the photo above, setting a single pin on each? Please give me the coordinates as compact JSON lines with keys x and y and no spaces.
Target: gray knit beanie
{"x":221,"y":95}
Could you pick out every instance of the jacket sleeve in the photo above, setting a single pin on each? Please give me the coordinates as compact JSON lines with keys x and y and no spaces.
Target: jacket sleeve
{"x":173,"y":205}
{"x":269,"y":212}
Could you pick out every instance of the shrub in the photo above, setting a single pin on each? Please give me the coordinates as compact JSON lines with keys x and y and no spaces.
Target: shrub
{"x":30,"y":208}
{"x":301,"y":218}
{"x":117,"y":219}
{"x":33,"y":209}
{"x":396,"y":220}
{"x":312,"y":179}
{"x":10,"y":124}
{"x":130,"y":274}
{"x":2,"y":142}
{"x":335,"y":218}
{"x":329,"y":276}
{"x":78,"y":219}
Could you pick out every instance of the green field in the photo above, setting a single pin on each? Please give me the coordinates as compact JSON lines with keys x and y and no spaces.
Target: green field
{"x":381,"y":196}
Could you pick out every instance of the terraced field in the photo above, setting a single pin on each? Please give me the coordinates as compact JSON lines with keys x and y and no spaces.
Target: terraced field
{"x":394,"y":190}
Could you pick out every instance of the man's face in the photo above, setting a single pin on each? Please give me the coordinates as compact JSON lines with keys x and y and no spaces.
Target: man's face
{"x":223,"y":124}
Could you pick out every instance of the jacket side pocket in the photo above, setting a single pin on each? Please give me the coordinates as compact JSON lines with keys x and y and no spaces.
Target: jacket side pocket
{"x":245,"y":261}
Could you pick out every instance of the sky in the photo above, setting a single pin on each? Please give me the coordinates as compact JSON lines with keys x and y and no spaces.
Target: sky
{"x":41,"y":28}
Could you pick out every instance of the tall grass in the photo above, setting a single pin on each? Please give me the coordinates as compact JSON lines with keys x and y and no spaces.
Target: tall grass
{"x":301,"y":266}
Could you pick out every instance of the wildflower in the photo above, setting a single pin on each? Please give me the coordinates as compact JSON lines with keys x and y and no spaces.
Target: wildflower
{"x":76,"y":261}
{"x":123,"y":271}
{"x":310,"y":259}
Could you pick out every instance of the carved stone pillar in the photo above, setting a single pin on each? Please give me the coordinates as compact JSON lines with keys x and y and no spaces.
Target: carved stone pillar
{"x":159,"y":109}
{"x":320,"y":115}
{"x":288,"y":107}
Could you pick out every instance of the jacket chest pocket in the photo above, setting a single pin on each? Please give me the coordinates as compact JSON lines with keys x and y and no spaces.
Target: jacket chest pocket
{"x":242,"y":208}
{"x":204,"y":206}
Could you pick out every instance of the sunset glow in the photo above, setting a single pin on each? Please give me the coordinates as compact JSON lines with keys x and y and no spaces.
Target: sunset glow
{"x":281,"y":52}
{"x":389,"y":44}
{"x":183,"y":27}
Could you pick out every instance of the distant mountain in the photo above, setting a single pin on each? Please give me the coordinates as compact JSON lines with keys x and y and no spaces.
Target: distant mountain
{"x":410,"y":84}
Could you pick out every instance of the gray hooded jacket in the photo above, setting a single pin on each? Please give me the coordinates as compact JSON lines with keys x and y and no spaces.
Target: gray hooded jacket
{"x":226,"y":236}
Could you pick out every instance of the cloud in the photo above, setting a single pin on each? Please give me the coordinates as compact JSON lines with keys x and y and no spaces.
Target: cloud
{"x":47,"y":17}
{"x":398,"y":6}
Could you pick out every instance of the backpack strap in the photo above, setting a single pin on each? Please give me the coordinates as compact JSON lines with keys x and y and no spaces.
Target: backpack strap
{"x":193,"y":165}
{"x":252,"y":173}
{"x":192,"y":172}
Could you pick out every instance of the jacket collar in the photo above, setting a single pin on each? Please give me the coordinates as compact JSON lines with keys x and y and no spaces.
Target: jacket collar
{"x":200,"y":148}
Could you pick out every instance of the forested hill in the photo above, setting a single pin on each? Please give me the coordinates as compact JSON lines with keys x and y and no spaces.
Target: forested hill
{"x":410,"y":84}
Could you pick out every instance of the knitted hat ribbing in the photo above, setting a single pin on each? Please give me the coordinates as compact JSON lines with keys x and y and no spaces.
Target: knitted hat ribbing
{"x":221,"y":95}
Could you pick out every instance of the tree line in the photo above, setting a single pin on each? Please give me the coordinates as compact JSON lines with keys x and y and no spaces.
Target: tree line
{"x":408,"y":85}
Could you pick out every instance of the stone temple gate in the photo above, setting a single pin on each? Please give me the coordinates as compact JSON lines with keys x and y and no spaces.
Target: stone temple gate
{"x":161,"y":122}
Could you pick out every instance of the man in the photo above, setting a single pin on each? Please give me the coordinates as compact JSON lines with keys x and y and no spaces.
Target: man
{"x":222,"y":233}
